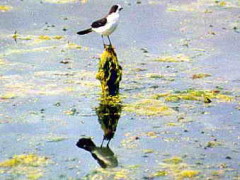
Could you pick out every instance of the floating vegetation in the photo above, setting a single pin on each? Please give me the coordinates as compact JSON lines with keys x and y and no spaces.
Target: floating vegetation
{"x":159,"y":174}
{"x":173,"y":160}
{"x":7,"y":96}
{"x":36,"y":39}
{"x":200,"y":75}
{"x":112,"y":173}
{"x":29,"y":165}
{"x":152,"y":134}
{"x":2,"y":62}
{"x":72,"y":112}
{"x":202,"y":6}
{"x":61,"y":1}
{"x":149,"y":107}
{"x":4,"y":8}
{"x":174,"y":167}
{"x":212,"y":144}
{"x":56,"y":139}
{"x":175,"y":58}
{"x":24,"y":51}
{"x":73,"y":46}
{"x":155,"y":76}
{"x":65,"y":1}
{"x":195,"y":95}
{"x":188,"y":174}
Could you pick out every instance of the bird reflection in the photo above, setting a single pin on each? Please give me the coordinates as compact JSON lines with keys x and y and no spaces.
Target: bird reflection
{"x":108,"y":112}
{"x":104,"y":155}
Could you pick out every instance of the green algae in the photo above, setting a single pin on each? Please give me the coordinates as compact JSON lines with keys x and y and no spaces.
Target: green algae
{"x":5,"y":8}
{"x":202,"y":6}
{"x":65,"y":1}
{"x":112,"y":173}
{"x":61,"y":1}
{"x":109,"y":72}
{"x":28,"y":165}
{"x":173,"y":160}
{"x":195,"y":95}
{"x":174,"y":58}
{"x":7,"y":96}
{"x":149,"y":107}
{"x":175,"y":168}
{"x":200,"y":76}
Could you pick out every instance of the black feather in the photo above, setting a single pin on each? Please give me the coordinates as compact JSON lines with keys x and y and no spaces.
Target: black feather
{"x":84,"y":31}
{"x":99,"y":23}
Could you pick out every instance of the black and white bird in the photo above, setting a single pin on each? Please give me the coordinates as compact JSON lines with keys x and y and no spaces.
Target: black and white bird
{"x":107,"y":25}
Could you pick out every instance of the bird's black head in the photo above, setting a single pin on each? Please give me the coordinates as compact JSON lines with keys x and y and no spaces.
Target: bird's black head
{"x":115,"y":9}
{"x":86,"y":143}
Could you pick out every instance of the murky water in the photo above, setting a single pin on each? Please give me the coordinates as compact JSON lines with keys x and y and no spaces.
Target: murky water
{"x":178,"y":113}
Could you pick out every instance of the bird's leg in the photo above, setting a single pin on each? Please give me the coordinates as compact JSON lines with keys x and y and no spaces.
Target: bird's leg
{"x":103,"y":138}
{"x":108,"y":143}
{"x":109,"y":41}
{"x":103,"y":41}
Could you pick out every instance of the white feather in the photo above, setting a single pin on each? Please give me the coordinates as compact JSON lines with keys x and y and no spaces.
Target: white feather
{"x":110,"y":26}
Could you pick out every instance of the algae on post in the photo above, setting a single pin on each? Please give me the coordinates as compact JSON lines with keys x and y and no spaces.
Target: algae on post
{"x":109,"y":72}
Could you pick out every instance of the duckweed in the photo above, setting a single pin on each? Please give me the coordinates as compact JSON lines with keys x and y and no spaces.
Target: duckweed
{"x":200,"y":75}
{"x":176,"y":168}
{"x":173,"y":160}
{"x":7,"y":96}
{"x":195,"y":95}
{"x":149,"y":107}
{"x":4,"y":8}
{"x":29,"y":165}
{"x":60,"y":1}
{"x":175,"y":58}
{"x":188,"y":173}
{"x":24,"y":159}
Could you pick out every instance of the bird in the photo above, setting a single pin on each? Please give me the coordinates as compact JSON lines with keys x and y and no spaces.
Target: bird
{"x":106,"y":25}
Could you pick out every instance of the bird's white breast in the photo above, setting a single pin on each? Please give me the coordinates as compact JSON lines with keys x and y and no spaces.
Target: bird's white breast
{"x":110,"y":26}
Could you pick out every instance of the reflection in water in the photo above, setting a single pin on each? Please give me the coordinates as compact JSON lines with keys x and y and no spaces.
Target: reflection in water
{"x":108,"y":112}
{"x":104,"y":155}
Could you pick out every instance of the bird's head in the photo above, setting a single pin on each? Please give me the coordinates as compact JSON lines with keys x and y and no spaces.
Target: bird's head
{"x":115,"y":9}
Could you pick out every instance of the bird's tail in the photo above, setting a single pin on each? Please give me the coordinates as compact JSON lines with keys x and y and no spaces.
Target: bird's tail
{"x":84,"y":31}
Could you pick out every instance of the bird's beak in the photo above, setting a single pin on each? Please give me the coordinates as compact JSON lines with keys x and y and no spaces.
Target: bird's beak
{"x":120,"y":9}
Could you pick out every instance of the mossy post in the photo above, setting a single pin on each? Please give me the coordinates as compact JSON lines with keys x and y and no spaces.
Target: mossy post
{"x":109,"y":72}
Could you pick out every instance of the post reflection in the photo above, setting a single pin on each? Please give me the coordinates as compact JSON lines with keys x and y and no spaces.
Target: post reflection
{"x":108,"y":112}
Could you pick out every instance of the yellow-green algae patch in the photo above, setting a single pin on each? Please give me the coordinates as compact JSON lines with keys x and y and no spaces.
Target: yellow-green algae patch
{"x":195,"y":95}
{"x":112,"y":173}
{"x":200,"y":75}
{"x":65,"y":1}
{"x":149,"y":107}
{"x":203,"y":6}
{"x":177,"y":169}
{"x":173,"y":160}
{"x":174,"y":58}
{"x":2,"y":62}
{"x":29,"y":165}
{"x":4,"y":8}
{"x":7,"y":96}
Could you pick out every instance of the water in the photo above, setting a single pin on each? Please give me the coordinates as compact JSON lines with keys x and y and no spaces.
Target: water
{"x":49,"y":94}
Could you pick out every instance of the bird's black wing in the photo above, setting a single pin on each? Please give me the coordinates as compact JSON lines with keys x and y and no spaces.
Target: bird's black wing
{"x":99,"y":23}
